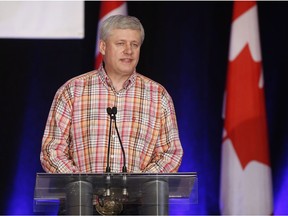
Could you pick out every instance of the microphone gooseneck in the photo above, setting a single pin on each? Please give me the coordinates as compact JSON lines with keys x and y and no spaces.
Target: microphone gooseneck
{"x":108,"y":169}
{"x":124,"y":168}
{"x":112,"y":113}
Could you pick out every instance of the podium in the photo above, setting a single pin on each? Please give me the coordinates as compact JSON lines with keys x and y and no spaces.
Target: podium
{"x":111,"y":193}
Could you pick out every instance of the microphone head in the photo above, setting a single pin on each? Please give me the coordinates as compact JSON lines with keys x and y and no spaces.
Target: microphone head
{"x":114,"y":110}
{"x":109,"y":110}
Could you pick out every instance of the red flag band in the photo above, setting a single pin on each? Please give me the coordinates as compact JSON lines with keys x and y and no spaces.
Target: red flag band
{"x":246,"y":185}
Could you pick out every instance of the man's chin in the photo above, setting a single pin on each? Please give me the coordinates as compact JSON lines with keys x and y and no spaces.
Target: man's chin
{"x":127,"y":70}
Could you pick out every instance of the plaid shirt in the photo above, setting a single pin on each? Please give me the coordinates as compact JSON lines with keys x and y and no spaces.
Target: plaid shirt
{"x":77,"y":130}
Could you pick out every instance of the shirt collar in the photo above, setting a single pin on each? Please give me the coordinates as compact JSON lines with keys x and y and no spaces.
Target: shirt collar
{"x":107,"y":81}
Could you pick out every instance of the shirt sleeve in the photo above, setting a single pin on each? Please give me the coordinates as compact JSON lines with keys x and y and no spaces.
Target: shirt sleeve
{"x":168,"y":152}
{"x":55,"y":155}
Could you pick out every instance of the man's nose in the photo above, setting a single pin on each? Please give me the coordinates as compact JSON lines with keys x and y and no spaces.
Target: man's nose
{"x":128,"y":49}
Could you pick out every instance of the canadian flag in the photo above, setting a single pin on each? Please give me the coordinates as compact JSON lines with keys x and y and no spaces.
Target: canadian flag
{"x":246,"y":185}
{"x":107,"y":8}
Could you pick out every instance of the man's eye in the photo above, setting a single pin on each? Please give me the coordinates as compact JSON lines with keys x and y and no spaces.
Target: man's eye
{"x":135,"y":45}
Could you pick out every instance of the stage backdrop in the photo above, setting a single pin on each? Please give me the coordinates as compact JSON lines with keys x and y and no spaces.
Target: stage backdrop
{"x":186,"y":50}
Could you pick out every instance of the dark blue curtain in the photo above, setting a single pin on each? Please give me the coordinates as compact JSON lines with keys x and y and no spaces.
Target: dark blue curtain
{"x":186,"y":50}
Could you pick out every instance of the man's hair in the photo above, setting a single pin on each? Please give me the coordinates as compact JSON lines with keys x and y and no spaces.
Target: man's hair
{"x":120,"y":22}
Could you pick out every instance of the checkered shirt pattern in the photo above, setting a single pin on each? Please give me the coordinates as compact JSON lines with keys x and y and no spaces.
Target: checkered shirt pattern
{"x":77,"y":130}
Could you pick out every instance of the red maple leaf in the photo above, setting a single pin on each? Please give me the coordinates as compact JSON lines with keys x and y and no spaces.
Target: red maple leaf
{"x":245,"y":119}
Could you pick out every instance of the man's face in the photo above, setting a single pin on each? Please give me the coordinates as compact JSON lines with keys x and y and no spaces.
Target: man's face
{"x":121,"y":51}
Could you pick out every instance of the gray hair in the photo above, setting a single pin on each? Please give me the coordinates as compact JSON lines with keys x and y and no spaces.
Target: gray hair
{"x":120,"y":22}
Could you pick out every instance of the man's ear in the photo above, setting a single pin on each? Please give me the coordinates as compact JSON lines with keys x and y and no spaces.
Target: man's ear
{"x":102,"y":47}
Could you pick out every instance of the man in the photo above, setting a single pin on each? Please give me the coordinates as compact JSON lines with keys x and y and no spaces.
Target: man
{"x":77,"y":131}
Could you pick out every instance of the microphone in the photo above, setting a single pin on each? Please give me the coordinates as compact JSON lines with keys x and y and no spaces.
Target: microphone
{"x":108,"y":169}
{"x":114,"y":112}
